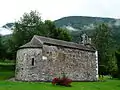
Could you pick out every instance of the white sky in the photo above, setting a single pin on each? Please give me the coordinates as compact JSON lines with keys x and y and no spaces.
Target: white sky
{"x":12,"y":10}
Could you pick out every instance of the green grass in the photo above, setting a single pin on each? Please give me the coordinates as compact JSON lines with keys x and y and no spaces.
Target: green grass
{"x":108,"y":85}
{"x":7,"y":72}
{"x":6,"y":75}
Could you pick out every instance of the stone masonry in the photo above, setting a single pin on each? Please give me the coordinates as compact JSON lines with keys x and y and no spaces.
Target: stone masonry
{"x":43,"y":58}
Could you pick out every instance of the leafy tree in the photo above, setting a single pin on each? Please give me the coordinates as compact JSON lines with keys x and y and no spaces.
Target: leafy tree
{"x":0,"y":47}
{"x":30,"y":24}
{"x":62,"y":34}
{"x":50,"y":28}
{"x":102,"y":40}
{"x":117,"y":53}
{"x":57,"y":33}
{"x":6,"y":47}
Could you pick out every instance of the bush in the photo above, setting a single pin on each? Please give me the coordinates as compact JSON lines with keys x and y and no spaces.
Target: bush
{"x":64,"y":81}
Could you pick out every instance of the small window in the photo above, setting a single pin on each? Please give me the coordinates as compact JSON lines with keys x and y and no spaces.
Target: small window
{"x":33,"y":61}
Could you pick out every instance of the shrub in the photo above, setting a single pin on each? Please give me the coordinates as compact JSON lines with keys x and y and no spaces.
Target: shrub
{"x":64,"y":81}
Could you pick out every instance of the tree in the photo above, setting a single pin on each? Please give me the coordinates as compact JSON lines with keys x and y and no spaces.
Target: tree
{"x":0,"y":47}
{"x":50,"y":28}
{"x":117,"y":54}
{"x":30,"y":24}
{"x":102,"y":40}
{"x":57,"y":33}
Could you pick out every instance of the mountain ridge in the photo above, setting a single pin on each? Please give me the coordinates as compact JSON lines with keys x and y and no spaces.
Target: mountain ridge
{"x":83,"y":24}
{"x":78,"y":25}
{"x":82,"y":20}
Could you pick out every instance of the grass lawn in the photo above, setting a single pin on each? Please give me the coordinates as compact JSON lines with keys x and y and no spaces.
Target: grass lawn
{"x":9,"y":85}
{"x":108,"y":85}
{"x":7,"y":72}
{"x":6,"y":75}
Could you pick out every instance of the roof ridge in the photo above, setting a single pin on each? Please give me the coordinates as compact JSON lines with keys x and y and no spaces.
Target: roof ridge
{"x":38,"y":41}
{"x":35,"y":36}
{"x":56,"y":39}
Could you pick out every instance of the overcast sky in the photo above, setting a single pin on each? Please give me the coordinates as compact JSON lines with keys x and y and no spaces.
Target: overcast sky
{"x":12,"y":10}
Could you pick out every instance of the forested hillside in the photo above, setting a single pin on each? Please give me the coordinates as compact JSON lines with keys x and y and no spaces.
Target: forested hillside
{"x":83,"y":24}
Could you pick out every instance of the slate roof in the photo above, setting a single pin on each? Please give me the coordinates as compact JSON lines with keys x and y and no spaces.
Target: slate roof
{"x":39,"y":41}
